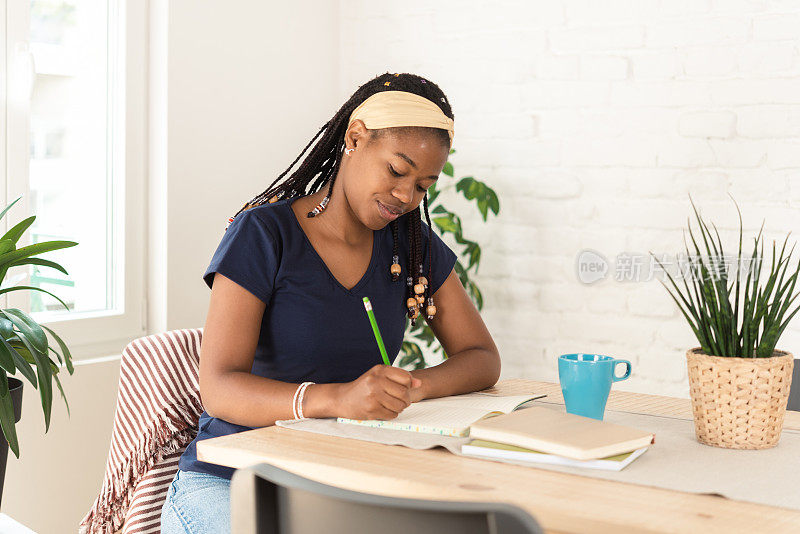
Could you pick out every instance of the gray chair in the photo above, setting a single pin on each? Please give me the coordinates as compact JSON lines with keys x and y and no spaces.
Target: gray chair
{"x":794,"y":390}
{"x":266,"y":499}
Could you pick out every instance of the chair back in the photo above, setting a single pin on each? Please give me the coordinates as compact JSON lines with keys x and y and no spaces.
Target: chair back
{"x":794,"y":389}
{"x":158,"y":407}
{"x":268,"y":500}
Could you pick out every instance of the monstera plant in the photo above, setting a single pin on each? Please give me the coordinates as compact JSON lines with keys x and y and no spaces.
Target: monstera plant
{"x":24,"y":346}
{"x":411,"y":355}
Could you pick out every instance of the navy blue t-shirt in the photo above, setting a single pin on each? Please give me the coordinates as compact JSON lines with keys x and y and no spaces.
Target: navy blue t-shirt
{"x":313,"y":328}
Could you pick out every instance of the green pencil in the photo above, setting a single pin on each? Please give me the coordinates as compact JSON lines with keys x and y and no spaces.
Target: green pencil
{"x":375,"y":330}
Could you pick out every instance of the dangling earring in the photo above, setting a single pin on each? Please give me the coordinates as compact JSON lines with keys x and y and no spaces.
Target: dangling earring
{"x":395,"y":268}
{"x":320,"y":207}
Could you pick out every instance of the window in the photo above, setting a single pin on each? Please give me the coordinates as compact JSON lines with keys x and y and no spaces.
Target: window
{"x":75,"y":128}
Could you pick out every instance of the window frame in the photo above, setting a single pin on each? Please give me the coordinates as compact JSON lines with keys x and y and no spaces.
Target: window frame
{"x":87,"y":334}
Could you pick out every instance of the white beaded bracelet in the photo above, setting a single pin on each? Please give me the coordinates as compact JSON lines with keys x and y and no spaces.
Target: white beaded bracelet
{"x":294,"y":401}
{"x":297,"y":402}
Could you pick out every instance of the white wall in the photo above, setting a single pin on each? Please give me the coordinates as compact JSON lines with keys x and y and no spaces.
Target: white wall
{"x":248,"y":85}
{"x":592,"y":121}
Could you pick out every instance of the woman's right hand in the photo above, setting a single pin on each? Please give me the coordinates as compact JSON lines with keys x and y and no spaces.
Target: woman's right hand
{"x":380,"y":393}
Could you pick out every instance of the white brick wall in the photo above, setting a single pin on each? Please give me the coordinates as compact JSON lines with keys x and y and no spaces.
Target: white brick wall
{"x":594,"y":121}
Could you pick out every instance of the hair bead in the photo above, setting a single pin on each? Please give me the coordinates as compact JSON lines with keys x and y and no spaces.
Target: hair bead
{"x":395,"y":268}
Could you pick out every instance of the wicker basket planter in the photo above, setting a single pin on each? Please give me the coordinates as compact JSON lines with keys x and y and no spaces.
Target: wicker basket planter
{"x":739,"y":403}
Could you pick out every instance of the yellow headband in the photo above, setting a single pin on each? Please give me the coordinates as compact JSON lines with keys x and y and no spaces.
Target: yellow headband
{"x":401,"y":108}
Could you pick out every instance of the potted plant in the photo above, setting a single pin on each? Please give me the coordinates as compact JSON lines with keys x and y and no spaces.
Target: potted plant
{"x":23,"y":342}
{"x":738,"y":381}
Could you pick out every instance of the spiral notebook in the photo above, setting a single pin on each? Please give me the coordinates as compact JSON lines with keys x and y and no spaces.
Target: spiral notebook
{"x":448,"y":416}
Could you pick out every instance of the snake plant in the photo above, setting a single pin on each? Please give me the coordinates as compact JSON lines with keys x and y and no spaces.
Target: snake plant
{"x":23,"y":342}
{"x":728,"y":315}
{"x":411,"y":356}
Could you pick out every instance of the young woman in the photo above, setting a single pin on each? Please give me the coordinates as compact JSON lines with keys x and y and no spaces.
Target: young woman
{"x":287,"y":335}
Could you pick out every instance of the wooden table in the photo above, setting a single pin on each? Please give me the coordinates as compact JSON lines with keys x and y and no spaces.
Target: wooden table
{"x":561,"y":502}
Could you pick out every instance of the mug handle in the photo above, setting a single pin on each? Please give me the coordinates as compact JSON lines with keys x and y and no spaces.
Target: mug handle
{"x":614,"y":376}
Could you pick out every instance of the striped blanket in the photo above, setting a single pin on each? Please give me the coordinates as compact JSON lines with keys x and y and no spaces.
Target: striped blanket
{"x":158,"y":406}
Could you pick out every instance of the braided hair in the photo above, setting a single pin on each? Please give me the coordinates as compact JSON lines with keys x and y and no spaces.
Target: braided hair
{"x":322,"y":164}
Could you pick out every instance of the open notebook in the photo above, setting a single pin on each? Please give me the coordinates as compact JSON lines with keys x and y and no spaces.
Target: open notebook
{"x":448,"y":416}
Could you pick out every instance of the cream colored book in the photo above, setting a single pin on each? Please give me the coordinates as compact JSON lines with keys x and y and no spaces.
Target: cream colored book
{"x":501,"y":451}
{"x":448,"y":416}
{"x":563,"y":434}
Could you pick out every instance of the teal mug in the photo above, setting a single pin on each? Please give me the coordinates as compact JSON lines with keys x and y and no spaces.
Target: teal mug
{"x":586,"y":381}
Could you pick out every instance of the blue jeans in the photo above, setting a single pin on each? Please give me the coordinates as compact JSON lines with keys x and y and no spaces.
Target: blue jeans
{"x":197,"y":503}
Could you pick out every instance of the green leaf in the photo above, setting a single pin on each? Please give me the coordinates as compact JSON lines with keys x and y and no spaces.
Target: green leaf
{"x":35,"y":340}
{"x":7,"y":419}
{"x":473,"y":250}
{"x":20,"y":362}
{"x":31,"y":250}
{"x":432,"y":194}
{"x":448,"y":169}
{"x":6,"y":359}
{"x":16,"y":232}
{"x":475,"y":293}
{"x":58,"y":356}
{"x":9,"y":207}
{"x":483,"y":207}
{"x":39,"y":261}
{"x":27,"y":326}
{"x":412,"y":355}
{"x":64,"y":349}
{"x":45,"y":374}
{"x":6,"y":245}
{"x":6,"y":328}
{"x":468,"y":187}
{"x":33,"y":288}
{"x":446,"y":224}
{"x":461,"y":272}
{"x":494,"y":203}
{"x":426,"y":335}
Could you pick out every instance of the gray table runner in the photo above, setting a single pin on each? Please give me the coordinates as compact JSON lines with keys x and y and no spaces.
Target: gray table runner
{"x":677,"y":461}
